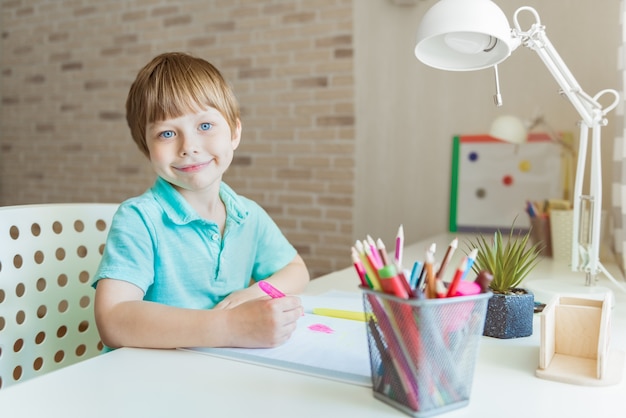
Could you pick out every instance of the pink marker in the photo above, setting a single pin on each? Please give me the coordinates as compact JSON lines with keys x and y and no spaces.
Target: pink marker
{"x":270,"y":290}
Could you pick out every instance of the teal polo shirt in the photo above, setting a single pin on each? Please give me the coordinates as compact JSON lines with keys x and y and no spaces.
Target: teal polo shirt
{"x":159,"y":243}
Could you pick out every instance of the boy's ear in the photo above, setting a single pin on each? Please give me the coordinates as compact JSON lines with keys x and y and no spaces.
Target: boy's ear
{"x":236,"y":135}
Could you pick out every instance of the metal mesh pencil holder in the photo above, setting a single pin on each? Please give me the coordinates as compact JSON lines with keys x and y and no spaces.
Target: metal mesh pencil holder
{"x":423,"y":351}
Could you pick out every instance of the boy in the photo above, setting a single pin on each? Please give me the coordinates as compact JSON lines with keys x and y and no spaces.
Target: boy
{"x":182,"y":261}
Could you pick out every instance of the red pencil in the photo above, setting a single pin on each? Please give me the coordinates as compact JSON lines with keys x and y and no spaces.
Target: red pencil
{"x":356,"y":261}
{"x":457,"y":278}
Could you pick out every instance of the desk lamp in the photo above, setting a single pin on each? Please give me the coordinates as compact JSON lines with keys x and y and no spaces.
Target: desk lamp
{"x":466,"y":35}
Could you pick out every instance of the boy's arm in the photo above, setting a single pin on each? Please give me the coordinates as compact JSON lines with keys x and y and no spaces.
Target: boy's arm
{"x":125,"y":319}
{"x":291,"y":279}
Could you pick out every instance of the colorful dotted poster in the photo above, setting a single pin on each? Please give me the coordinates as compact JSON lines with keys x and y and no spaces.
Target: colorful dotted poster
{"x":492,"y":180}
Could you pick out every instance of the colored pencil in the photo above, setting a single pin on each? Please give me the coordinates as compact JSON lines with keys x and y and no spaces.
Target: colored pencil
{"x":372,"y":244}
{"x":446,"y":258}
{"x":372,"y":273}
{"x":358,"y":265}
{"x":399,"y":246}
{"x":382,"y":251}
{"x":431,"y":285}
{"x":454,"y":284}
{"x":470,"y":262}
{"x":421,"y":283}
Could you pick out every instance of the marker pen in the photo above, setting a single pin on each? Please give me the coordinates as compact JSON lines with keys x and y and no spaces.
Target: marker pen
{"x":270,"y":290}
{"x":390,"y":282}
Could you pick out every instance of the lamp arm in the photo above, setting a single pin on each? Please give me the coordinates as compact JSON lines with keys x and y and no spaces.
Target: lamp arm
{"x":586,"y":245}
{"x":589,"y":109}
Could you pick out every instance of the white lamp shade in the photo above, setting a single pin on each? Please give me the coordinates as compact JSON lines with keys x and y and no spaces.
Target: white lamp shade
{"x":509,"y":129}
{"x":459,"y":35}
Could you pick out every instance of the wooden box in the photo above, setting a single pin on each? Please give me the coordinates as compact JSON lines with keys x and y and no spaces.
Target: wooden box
{"x":575,"y":336}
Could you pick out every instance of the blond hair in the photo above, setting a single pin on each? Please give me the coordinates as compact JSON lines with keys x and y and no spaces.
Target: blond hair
{"x":173,"y":84}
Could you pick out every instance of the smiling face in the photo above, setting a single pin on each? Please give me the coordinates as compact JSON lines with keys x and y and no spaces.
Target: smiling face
{"x":173,"y":85}
{"x":192,"y":151}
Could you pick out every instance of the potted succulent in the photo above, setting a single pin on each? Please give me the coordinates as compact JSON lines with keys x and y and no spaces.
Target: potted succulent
{"x":510,"y":309}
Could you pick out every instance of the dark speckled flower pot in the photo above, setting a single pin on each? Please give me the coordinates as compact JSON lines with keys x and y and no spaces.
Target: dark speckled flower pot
{"x":510,"y":316}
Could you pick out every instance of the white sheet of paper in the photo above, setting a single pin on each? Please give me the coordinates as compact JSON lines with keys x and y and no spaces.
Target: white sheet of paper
{"x":328,"y":347}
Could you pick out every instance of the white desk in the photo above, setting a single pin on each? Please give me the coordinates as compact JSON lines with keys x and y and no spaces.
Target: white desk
{"x":170,"y":383}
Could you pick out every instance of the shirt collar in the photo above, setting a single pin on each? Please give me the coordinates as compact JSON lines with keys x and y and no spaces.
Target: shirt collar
{"x":180,"y":212}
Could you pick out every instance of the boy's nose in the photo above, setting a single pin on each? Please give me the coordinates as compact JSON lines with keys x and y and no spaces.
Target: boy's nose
{"x":188,"y":144}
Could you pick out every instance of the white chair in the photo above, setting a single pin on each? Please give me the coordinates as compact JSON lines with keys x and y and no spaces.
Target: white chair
{"x":48,"y":255}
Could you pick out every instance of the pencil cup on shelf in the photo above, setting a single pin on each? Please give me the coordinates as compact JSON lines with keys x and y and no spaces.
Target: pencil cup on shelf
{"x":561,"y":226}
{"x":540,"y":232}
{"x":423,"y":351}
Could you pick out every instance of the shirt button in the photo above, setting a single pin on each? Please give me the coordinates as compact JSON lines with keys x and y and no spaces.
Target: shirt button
{"x":215,"y":237}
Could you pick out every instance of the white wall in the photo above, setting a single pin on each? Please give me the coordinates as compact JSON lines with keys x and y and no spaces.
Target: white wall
{"x":407,"y":113}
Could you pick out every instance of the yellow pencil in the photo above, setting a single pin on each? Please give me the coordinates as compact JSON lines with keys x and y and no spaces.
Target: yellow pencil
{"x":372,"y":274}
{"x":338,"y":313}
{"x":431,"y":286}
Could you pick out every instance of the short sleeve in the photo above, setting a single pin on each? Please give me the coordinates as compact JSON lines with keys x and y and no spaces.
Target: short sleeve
{"x":129,"y":250}
{"x":274,"y":251}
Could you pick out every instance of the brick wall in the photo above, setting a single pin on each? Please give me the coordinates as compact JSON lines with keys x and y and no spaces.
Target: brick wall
{"x":66,"y":66}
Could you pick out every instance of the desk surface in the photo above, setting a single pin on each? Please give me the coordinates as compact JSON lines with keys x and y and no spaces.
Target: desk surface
{"x":171,"y":383}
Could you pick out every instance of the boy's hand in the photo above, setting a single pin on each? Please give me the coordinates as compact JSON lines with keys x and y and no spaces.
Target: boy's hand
{"x":264,"y":322}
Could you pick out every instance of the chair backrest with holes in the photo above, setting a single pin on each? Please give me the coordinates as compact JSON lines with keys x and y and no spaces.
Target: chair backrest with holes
{"x":48,"y":255}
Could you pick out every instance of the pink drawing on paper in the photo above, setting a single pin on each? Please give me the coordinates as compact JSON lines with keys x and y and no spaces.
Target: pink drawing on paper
{"x":321,"y":328}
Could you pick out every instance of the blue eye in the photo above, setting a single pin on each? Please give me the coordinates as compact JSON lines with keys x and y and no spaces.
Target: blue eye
{"x":167,"y":134}
{"x":205,"y":126}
